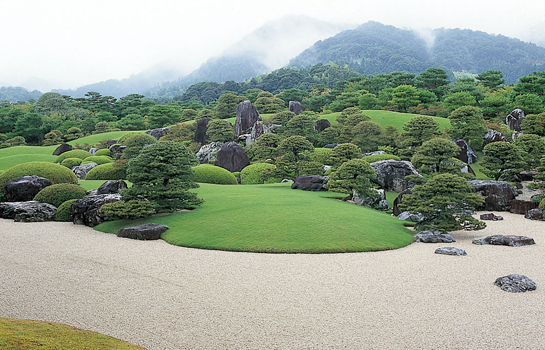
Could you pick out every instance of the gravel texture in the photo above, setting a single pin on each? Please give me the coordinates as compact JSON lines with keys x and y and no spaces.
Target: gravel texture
{"x":161,"y":296}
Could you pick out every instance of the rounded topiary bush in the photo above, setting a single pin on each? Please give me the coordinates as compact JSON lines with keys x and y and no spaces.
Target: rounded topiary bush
{"x":75,"y":153}
{"x":377,"y":157}
{"x":108,"y":171}
{"x":208,"y":173}
{"x":125,"y":136}
{"x":103,"y":152}
{"x":59,"y":193}
{"x":56,"y":173}
{"x":542,"y":204}
{"x":71,"y":162}
{"x":256,"y":173}
{"x":63,"y":211}
{"x":98,"y":160}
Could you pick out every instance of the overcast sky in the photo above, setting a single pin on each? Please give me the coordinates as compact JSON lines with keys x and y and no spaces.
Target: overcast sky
{"x":72,"y":42}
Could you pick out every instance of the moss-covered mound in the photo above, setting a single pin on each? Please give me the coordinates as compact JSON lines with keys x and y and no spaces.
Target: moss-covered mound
{"x":106,"y":171}
{"x":75,"y":153}
{"x":98,"y":160}
{"x":71,"y":162}
{"x":56,"y":173}
{"x":256,"y":173}
{"x":211,"y":174}
{"x":103,"y":152}
{"x":63,"y":211}
{"x":60,"y":193}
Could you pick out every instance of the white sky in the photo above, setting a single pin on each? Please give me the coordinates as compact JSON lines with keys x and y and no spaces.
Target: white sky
{"x":73,"y":42}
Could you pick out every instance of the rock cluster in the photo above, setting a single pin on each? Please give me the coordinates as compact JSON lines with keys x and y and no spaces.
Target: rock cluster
{"x":391,"y":174}
{"x":143,"y":232}
{"x":158,"y":133}
{"x":515,"y":283}
{"x":208,"y":151}
{"x":31,"y":211}
{"x":372,"y":202}
{"x":498,"y":195}
{"x":86,"y":211}
{"x":508,"y":240}
{"x":494,"y":136}
{"x":24,"y":188}
{"x":490,"y":216}
{"x":310,"y":182}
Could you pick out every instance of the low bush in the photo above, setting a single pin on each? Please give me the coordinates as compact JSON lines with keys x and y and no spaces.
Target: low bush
{"x":60,"y":193}
{"x":99,"y":160}
{"x":75,"y":153}
{"x":257,"y":173}
{"x":132,"y":209}
{"x":211,"y":174}
{"x":56,"y":173}
{"x":125,"y":136}
{"x":542,"y":204}
{"x":377,"y":157}
{"x":108,"y":171}
{"x":71,"y":162}
{"x":63,"y":211}
{"x":103,"y":152}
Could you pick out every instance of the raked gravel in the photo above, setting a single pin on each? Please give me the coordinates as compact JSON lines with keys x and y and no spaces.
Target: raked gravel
{"x":161,"y":296}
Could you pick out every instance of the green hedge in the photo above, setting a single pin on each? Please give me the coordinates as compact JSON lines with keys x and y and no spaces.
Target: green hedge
{"x":106,"y":171}
{"x":103,"y":152}
{"x":71,"y":162}
{"x":60,"y":193}
{"x":56,"y":173}
{"x":75,"y":153}
{"x":63,"y":211}
{"x":254,"y":174}
{"x":377,"y":157}
{"x":98,"y":160}
{"x":211,"y":174}
{"x":124,"y":138}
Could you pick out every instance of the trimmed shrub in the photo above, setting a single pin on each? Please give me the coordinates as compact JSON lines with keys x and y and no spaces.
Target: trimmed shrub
{"x":71,"y":162}
{"x":377,"y":157}
{"x":103,"y":152}
{"x":56,"y":173}
{"x":208,"y":173}
{"x":60,"y":193}
{"x":135,"y":143}
{"x":75,"y":153}
{"x":98,"y":160}
{"x":108,"y":171}
{"x":256,"y":173}
{"x":125,"y":136}
{"x":63,"y":211}
{"x":132,"y":209}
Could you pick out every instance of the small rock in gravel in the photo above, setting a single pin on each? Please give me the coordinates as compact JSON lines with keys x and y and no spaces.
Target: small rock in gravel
{"x":490,"y":216}
{"x":515,"y":283}
{"x":450,"y":251}
{"x":433,"y":237}
{"x":509,"y":240}
{"x":143,"y":232}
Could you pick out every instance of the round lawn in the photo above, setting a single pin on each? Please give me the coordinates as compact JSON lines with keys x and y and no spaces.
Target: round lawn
{"x":273,"y":218}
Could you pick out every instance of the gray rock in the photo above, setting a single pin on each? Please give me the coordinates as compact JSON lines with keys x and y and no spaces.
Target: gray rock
{"x":466,"y":153}
{"x":490,"y":216}
{"x":295,"y":107}
{"x":519,"y":206}
{"x":31,"y":211}
{"x":208,"y":152}
{"x":372,"y":202}
{"x":93,"y":150}
{"x":322,"y":124}
{"x":450,"y":251}
{"x":25,"y":188}
{"x":310,"y":183}
{"x":232,"y":157}
{"x":200,"y":133}
{"x":515,"y":283}
{"x":82,"y":170}
{"x":498,"y":195}
{"x":514,"y":119}
{"x":143,"y":232}
{"x":534,"y":214}
{"x":508,"y":240}
{"x":158,"y":133}
{"x":259,"y":129}
{"x":111,"y":186}
{"x":247,"y":116}
{"x":117,"y":151}
{"x":86,"y":211}
{"x":433,"y":237}
{"x":331,"y":145}
{"x":373,"y":153}
{"x":391,"y":174}
{"x":62,"y":148}
{"x":415,"y":217}
{"x":494,"y":136}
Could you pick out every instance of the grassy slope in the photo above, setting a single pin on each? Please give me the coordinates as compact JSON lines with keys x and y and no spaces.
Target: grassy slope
{"x":275,"y":218}
{"x":94,"y":139}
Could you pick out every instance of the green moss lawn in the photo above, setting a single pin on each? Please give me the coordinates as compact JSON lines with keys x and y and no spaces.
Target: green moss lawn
{"x":385,"y":118}
{"x":274,"y":218}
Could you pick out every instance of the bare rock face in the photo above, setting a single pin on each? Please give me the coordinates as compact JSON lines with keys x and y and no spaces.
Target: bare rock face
{"x":391,"y":174}
{"x":519,"y":206}
{"x":143,"y":232}
{"x":451,"y":251}
{"x":399,"y":200}
{"x":62,"y":148}
{"x":111,"y":187}
{"x":200,"y":133}
{"x":514,"y":119}
{"x":534,"y":214}
{"x":433,"y":237}
{"x":515,"y":283}
{"x":466,"y":153}
{"x":322,"y":124}
{"x":258,"y":129}
{"x":494,"y":136}
{"x":247,"y":116}
{"x":490,"y":216}
{"x":86,"y":211}
{"x":232,"y":157}
{"x":24,"y":188}
{"x":295,"y":107}
{"x":498,"y":195}
{"x":82,"y":170}
{"x":158,"y":133}
{"x":207,"y":152}
{"x":508,"y":240}
{"x":310,"y":183}
{"x":31,"y":211}
{"x":372,"y":202}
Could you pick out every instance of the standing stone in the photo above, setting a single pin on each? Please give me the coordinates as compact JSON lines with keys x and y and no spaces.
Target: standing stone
{"x":200,"y":133}
{"x":62,"y":148}
{"x":514,"y":119}
{"x":247,"y":116}
{"x":295,"y":107}
{"x":515,"y":283}
{"x":322,"y":124}
{"x":466,"y":154}
{"x":24,"y":188}
{"x":498,"y":195}
{"x":391,"y":174}
{"x":232,"y":157}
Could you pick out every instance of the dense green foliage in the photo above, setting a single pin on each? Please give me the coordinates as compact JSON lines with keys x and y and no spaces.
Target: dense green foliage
{"x":130,"y":210}
{"x":60,"y":193}
{"x":258,"y":173}
{"x":71,"y":162}
{"x":108,"y":171}
{"x":63,"y":211}
{"x":75,"y":153}
{"x":98,"y":160}
{"x":211,"y":174}
{"x":54,"y":172}
{"x":501,"y":160}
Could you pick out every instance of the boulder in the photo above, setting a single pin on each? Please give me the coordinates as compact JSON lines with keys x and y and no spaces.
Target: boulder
{"x":414,"y":217}
{"x":494,"y":136}
{"x":310,"y":183}
{"x":207,"y":152}
{"x":200,"y":133}
{"x":259,"y":129}
{"x":450,"y":251}
{"x":514,"y":119}
{"x":512,"y":241}
{"x":31,"y":211}
{"x":295,"y":107}
{"x":515,"y":283}
{"x":433,"y":237}
{"x":117,"y":151}
{"x":82,"y":170}
{"x":322,"y":124}
{"x":399,"y":199}
{"x":391,"y":174}
{"x":498,"y":195}
{"x":247,"y":115}
{"x":232,"y":157}
{"x":62,"y":148}
{"x":527,"y":175}
{"x":143,"y":232}
{"x":93,"y":150}
{"x":158,"y":133}
{"x":331,"y":145}
{"x":534,"y":214}
{"x":378,"y":201}
{"x":111,"y":186}
{"x":520,"y":206}
{"x":490,"y":216}
{"x":25,"y":188}
{"x":86,"y":211}
{"x":466,"y":154}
